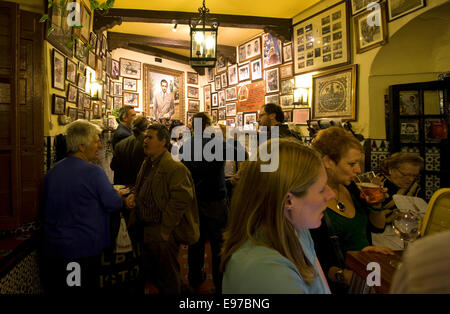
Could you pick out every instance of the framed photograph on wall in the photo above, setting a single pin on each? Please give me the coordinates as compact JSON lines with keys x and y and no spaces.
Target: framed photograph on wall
{"x":117,"y":103}
{"x":272,"y":80}
{"x":250,"y":49}
{"x":129,"y":84}
{"x":300,"y":116}
{"x":115,"y":69}
{"x":334,"y":94}
{"x":224,"y":79}
{"x":192,"y":78}
{"x":399,"y":8}
{"x":117,"y":89}
{"x":287,"y":101}
{"x":80,"y":100}
{"x":221,"y":64}
{"x":62,"y":32}
{"x":287,"y":52}
{"x":215,"y":115}
{"x":130,"y":68}
{"x":231,"y":93}
{"x":361,"y":5}
{"x":287,"y":115}
{"x":231,"y":109}
{"x":240,"y":119}
{"x":59,"y":105}
{"x":232,"y":75}
{"x":255,"y":66}
{"x":231,"y":121}
{"x":192,"y":92}
{"x":86,"y":18}
{"x":81,"y":83}
{"x":72,"y":93}
{"x":87,"y":101}
{"x":81,"y":51}
{"x":130,"y":99}
{"x":314,"y":37}
{"x":193,"y":105}
{"x":214,"y":100}
{"x":287,"y":86}
{"x":217,"y":84}
{"x":91,"y":59}
{"x":72,"y":113}
{"x":250,"y":120}
{"x":286,"y":71}
{"x":58,"y":66}
{"x":244,"y":72}
{"x":207,"y":97}
{"x":221,"y":96}
{"x":210,"y":72}
{"x":222,"y":113}
{"x":71,"y":71}
{"x":373,"y":35}
{"x":272,"y":99}
{"x":272,"y":51}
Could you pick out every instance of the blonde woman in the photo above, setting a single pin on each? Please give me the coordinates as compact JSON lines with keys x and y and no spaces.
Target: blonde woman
{"x":267,"y":246}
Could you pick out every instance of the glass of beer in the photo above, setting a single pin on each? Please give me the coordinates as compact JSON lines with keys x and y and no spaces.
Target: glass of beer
{"x":371,"y":187}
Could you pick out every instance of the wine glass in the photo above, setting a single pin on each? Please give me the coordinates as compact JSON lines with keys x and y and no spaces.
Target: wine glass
{"x":406,"y":225}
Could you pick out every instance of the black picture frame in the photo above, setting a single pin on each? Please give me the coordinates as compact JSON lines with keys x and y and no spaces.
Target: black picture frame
{"x":58,"y":105}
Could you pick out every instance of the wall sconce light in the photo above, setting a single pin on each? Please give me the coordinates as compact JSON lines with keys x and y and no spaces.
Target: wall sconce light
{"x":203,"y":39}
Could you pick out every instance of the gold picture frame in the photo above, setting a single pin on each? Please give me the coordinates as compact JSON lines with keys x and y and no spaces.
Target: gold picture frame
{"x":368,"y":33}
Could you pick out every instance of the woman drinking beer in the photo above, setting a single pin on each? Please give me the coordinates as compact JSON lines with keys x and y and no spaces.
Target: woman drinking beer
{"x":349,"y":219}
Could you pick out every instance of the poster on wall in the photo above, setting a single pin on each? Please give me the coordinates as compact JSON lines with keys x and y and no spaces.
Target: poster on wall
{"x":250,"y":96}
{"x":271,"y":51}
{"x":322,"y":40}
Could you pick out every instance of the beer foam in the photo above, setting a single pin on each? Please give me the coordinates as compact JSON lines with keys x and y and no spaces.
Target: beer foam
{"x":368,"y":185}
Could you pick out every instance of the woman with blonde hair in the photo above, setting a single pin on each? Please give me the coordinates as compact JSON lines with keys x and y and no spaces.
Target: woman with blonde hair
{"x":267,"y":246}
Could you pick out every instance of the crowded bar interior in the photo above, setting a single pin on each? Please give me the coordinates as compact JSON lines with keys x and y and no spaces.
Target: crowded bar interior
{"x":224,"y":147}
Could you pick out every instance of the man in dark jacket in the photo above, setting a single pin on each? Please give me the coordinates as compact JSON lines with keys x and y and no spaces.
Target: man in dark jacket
{"x":272,"y":115}
{"x":126,"y":117}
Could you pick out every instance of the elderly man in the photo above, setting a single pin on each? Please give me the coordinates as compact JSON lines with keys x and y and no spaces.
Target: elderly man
{"x":163,"y":103}
{"x":78,"y":199}
{"x":125,"y":119}
{"x":166,"y":209}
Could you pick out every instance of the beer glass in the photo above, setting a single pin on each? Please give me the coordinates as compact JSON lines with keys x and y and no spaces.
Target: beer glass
{"x":371,"y":187}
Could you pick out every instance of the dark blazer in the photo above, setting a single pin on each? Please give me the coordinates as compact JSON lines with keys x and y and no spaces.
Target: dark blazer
{"x":120,"y":133}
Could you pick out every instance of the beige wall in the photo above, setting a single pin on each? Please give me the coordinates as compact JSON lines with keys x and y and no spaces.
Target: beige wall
{"x":36,"y":6}
{"x":427,"y":53}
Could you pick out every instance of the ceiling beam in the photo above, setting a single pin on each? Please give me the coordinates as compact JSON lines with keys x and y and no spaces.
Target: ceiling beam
{"x":280,"y":26}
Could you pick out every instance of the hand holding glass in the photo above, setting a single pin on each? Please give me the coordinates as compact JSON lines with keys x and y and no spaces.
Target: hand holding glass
{"x":371,"y":187}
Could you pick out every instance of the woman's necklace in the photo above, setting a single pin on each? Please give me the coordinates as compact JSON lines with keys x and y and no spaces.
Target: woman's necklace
{"x":340,"y":206}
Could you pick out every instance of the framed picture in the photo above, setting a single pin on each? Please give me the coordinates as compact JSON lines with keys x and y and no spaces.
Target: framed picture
{"x":115,"y":69}
{"x":210,"y":72}
{"x":271,"y":51}
{"x":287,"y":52}
{"x":221,"y":64}
{"x":193,"y":105}
{"x":81,"y":67}
{"x":129,"y":84}
{"x":108,"y":62}
{"x":58,"y":66}
{"x":334,"y":94}
{"x":287,"y":86}
{"x":373,"y":35}
{"x":81,"y":51}
{"x":130,"y":99}
{"x":192,"y":78}
{"x":231,"y":109}
{"x":91,"y":59}
{"x":250,"y":49}
{"x":231,"y":122}
{"x":244,"y":72}
{"x":272,"y":80}
{"x":117,"y":103}
{"x":217,"y":83}
{"x":86,"y":101}
{"x":215,"y":101}
{"x":231,"y":93}
{"x":96,"y":110}
{"x":93,"y":41}
{"x":361,"y":5}
{"x":409,"y":102}
{"x":322,"y":41}
{"x":272,"y":99}
{"x":221,"y":96}
{"x":232,"y":75}
{"x":109,"y":102}
{"x":80,"y":114}
{"x":72,"y":93}
{"x":59,"y":105}
{"x":117,"y":89}
{"x":72,"y":113}
{"x":287,"y":115}
{"x":409,"y":131}
{"x":287,"y":101}
{"x":300,"y":116}
{"x":71,"y":71}
{"x":286,"y":71}
{"x":398,"y":8}
{"x":207,"y":97}
{"x":62,"y":32}
{"x":88,"y":114}
{"x":224,"y":80}
{"x":240,"y":119}
{"x":130,"y":68}
{"x":256,"y":70}
{"x":250,"y":120}
{"x":99,"y":69}
{"x":215,"y":115}
{"x":81,"y":83}
{"x":80,"y":100}
{"x":86,"y":15}
{"x":98,"y":46}
{"x":189,"y":116}
{"x":192,"y":92}
{"x":222,"y":114}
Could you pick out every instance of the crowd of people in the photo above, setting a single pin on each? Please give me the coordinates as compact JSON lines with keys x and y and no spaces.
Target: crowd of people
{"x":282,"y":231}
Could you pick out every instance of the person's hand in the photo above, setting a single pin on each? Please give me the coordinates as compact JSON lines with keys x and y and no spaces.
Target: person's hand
{"x":164,"y":236}
{"x":378,"y":249}
{"x":123,"y":192}
{"x":130,"y":201}
{"x":380,"y":198}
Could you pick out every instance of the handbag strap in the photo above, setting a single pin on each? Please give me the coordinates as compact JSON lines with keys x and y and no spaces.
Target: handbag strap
{"x":334,"y":238}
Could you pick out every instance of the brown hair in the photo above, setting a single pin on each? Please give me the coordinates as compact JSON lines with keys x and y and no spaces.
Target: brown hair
{"x":334,"y":142}
{"x":395,"y":160}
{"x":260,"y":217}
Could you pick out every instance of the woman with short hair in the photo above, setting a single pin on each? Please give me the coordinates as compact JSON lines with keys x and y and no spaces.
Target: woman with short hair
{"x":267,"y":245}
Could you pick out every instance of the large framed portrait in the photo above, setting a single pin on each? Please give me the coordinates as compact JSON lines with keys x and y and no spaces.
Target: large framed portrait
{"x":193,"y":105}
{"x":62,"y":32}
{"x":192,"y":92}
{"x":151,"y":86}
{"x":59,"y":105}
{"x":361,"y":5}
{"x":272,"y":80}
{"x":334,"y":94}
{"x":207,"y":97}
{"x":272,"y":52}
{"x":232,"y":75}
{"x":130,"y":99}
{"x":322,"y":41}
{"x":370,"y":35}
{"x":130,"y":68}
{"x":244,"y":72}
{"x":58,"y":65}
{"x":192,"y":78}
{"x":255,"y":66}
{"x":399,"y":8}
{"x":250,"y":49}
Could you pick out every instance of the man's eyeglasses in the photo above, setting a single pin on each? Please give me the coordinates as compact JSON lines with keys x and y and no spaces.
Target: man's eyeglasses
{"x":412,"y":176}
